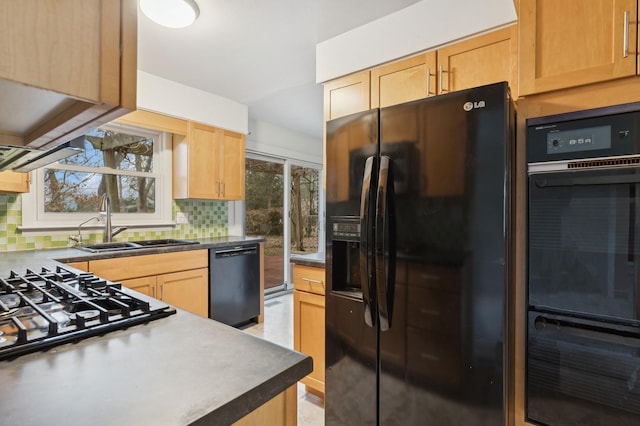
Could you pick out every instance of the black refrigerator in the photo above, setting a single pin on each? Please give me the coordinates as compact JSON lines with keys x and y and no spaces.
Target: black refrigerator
{"x":418,"y":262}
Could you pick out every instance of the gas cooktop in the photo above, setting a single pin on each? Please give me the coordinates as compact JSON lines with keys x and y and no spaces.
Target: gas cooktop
{"x":39,"y":310}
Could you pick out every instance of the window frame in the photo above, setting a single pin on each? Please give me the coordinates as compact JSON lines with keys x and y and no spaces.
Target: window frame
{"x":34,"y":217}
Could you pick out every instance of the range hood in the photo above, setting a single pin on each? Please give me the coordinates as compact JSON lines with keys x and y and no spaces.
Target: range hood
{"x":25,"y":159}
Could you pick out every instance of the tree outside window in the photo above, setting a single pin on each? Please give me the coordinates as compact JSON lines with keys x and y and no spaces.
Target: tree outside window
{"x":115,"y":163}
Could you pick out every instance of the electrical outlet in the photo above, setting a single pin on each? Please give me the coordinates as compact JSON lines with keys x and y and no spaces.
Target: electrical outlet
{"x":182,"y":218}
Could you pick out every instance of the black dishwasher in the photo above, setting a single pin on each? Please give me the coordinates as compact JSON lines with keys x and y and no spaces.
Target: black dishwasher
{"x":234,"y":284}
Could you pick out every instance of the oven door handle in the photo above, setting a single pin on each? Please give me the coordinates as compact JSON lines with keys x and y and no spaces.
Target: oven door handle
{"x":550,"y":182}
{"x":603,"y":334}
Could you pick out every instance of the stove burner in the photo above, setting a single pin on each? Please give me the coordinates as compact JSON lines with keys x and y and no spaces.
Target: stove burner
{"x":86,"y":315}
{"x":44,"y":308}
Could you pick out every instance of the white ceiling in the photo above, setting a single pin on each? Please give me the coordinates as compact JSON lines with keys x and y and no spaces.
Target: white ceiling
{"x":257,"y":52}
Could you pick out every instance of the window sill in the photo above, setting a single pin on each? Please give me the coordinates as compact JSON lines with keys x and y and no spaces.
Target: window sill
{"x":88,"y":228}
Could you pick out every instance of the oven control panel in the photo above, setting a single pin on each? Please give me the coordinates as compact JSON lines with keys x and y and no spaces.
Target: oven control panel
{"x":583,"y":139}
{"x":598,"y":133}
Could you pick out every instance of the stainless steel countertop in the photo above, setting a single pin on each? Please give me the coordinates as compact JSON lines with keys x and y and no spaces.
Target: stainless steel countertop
{"x":172,"y":371}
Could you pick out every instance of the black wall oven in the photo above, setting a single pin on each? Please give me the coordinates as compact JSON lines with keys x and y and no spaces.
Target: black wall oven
{"x":583,"y":318}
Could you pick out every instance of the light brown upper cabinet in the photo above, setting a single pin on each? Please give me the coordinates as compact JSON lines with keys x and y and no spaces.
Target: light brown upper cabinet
{"x":404,"y":81}
{"x":67,"y":65}
{"x":485,"y":59}
{"x":208,"y":164}
{"x":570,"y":43}
{"x":346,"y":95}
{"x":14,"y":181}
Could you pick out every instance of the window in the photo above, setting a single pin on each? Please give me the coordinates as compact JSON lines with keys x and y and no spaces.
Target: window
{"x":132,"y":165}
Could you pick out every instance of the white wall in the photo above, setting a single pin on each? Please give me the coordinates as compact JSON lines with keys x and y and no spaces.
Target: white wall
{"x":422,"y":26}
{"x":273,"y":140}
{"x":178,"y":100}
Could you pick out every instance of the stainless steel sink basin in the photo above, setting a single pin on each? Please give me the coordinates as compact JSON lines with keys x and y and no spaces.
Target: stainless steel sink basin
{"x":166,"y":242}
{"x":133,"y":245}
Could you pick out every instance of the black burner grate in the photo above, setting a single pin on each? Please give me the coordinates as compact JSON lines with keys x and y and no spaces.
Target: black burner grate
{"x":39,"y":310}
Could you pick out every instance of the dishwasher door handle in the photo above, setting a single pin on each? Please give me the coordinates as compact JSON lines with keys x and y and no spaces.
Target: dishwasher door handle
{"x":237,"y":251}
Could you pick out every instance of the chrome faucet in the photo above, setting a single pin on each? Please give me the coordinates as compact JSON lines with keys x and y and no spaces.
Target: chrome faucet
{"x":105,"y":211}
{"x":78,"y":238}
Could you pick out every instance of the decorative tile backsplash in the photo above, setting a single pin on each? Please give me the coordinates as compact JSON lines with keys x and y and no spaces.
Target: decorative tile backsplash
{"x":207,"y":219}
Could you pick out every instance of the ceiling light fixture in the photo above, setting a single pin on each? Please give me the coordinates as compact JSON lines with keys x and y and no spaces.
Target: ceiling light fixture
{"x":171,"y":13}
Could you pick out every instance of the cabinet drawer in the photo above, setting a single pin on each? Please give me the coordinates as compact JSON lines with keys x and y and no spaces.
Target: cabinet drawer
{"x":122,"y":268}
{"x":308,"y":278}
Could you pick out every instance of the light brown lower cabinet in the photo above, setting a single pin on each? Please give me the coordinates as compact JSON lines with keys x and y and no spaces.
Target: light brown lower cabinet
{"x":308,"y":322}
{"x":180,"y":279}
{"x":281,"y":410}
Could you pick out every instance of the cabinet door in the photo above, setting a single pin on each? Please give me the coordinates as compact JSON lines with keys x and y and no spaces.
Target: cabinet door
{"x":486,"y":59}
{"x":14,"y":182}
{"x":404,"y":81}
{"x":232,"y":148}
{"x":569,"y":43}
{"x":203,"y":160}
{"x":187,"y":290}
{"x":346,"y":95}
{"x":144,"y":285}
{"x":308,"y":334}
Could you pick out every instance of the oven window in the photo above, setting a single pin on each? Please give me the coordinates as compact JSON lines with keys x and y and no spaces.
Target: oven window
{"x":583,"y":243}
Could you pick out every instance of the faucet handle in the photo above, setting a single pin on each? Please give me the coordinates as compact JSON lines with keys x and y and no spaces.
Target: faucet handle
{"x":77,"y":239}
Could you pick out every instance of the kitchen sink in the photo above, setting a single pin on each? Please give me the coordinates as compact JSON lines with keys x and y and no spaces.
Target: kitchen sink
{"x":166,"y":242}
{"x":133,"y":245}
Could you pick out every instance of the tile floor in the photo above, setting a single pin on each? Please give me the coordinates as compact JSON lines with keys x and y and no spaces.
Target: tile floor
{"x":278,"y":328}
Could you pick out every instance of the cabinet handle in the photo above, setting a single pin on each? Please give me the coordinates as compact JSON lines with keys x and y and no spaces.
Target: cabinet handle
{"x":440,"y":72}
{"x":161,"y":291}
{"x":223,"y":188}
{"x":312,"y":281}
{"x":153,"y":292}
{"x":429,"y":82}
{"x":218,"y":187}
{"x":625,"y":40}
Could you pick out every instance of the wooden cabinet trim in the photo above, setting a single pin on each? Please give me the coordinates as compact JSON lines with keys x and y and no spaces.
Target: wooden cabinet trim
{"x":152,"y":120}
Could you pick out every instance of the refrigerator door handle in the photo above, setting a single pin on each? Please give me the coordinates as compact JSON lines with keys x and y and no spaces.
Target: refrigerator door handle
{"x":366,"y":242}
{"x":385,"y":258}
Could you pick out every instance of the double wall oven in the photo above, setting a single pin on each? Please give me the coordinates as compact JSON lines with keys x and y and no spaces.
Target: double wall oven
{"x":583,"y":324}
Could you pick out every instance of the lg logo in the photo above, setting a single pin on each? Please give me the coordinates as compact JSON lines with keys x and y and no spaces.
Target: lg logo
{"x":468,"y":106}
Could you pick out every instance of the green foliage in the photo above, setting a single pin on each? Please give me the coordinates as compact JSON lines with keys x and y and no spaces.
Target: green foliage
{"x":264,"y":221}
